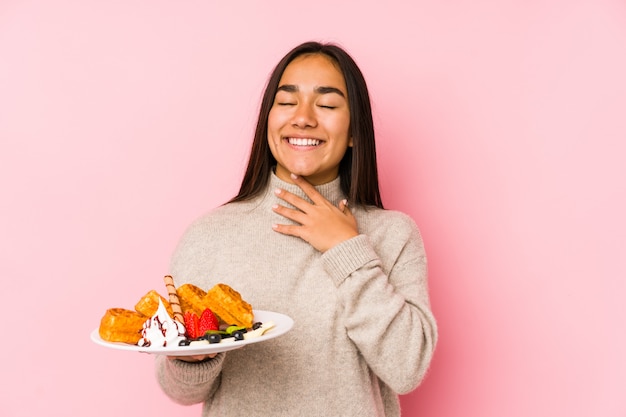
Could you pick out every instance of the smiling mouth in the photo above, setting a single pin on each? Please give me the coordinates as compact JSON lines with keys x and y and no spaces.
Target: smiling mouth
{"x":303,"y":141}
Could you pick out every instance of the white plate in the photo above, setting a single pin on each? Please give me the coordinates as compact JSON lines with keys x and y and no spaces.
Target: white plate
{"x":282,"y":323}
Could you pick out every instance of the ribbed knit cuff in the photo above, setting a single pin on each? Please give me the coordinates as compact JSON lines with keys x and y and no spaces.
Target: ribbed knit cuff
{"x":343,"y":259}
{"x":196,"y":372}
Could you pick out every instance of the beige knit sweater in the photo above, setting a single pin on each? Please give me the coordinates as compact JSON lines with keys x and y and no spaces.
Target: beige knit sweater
{"x":363,"y":329}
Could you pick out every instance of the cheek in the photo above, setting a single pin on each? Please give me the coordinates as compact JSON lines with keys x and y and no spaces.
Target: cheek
{"x":271,"y":121}
{"x":272,"y":135}
{"x":342,"y":126}
{"x":276,"y":118}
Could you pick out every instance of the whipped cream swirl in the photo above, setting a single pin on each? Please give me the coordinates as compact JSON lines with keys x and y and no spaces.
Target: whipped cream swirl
{"x":161,"y":330}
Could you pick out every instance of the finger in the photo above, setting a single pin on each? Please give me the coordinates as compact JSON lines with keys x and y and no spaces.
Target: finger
{"x":292,"y":199}
{"x":297,"y":216}
{"x":343,"y":206}
{"x":308,"y":189}
{"x":290,"y":230}
{"x":202,"y":358}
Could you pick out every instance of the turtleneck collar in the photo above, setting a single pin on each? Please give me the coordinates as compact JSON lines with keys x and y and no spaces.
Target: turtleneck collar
{"x":331,"y":190}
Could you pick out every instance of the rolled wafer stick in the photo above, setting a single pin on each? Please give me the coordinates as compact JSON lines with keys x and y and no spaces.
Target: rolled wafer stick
{"x":174,"y":301}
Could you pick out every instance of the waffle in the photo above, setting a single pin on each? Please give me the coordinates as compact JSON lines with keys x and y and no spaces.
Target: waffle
{"x":192,"y":299}
{"x":121,"y":325}
{"x":149,"y":303}
{"x":228,"y":305}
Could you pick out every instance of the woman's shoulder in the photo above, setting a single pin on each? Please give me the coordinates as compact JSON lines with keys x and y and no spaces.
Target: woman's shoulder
{"x":219,"y":216}
{"x":387,"y":216}
{"x":384,"y":222}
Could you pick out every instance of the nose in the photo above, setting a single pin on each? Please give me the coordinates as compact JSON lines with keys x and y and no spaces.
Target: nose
{"x":304,"y":116}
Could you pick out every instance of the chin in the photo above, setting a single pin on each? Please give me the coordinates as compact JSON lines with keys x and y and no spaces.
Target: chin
{"x":302,"y":172}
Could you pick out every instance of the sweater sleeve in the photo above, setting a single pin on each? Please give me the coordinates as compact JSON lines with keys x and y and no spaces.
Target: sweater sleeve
{"x":189,"y":383}
{"x":386,"y":305}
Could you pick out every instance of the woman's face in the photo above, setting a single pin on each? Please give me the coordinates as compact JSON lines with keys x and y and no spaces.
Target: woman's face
{"x":309,"y":122}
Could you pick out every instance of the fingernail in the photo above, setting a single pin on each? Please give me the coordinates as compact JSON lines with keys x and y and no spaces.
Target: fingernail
{"x":294,"y":176}
{"x":275,"y":206}
{"x":277,"y":191}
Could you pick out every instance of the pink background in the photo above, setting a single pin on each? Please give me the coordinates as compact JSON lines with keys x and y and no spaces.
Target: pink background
{"x":501,"y":129}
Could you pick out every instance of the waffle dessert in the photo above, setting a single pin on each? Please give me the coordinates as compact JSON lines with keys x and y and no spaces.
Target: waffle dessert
{"x":192,"y":298}
{"x":121,"y":325}
{"x":126,"y":326}
{"x":228,"y":305}
{"x":149,"y":304}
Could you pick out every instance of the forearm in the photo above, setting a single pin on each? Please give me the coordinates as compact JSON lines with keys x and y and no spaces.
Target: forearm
{"x":387,"y":315}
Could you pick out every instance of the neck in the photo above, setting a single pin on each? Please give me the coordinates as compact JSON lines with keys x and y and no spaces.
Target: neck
{"x":330,"y":190}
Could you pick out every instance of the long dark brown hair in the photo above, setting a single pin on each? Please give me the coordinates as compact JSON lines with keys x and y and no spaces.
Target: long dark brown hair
{"x":357,"y":170}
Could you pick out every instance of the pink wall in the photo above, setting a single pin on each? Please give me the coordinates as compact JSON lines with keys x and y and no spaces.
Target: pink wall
{"x":501,"y":131}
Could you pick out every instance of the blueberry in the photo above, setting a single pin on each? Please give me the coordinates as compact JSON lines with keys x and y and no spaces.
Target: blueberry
{"x":214,"y":337}
{"x":257,"y":325}
{"x":238,"y":334}
{"x":184,"y":342}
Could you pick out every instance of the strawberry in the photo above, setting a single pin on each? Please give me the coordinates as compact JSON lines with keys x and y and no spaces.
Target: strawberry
{"x":197,"y":327}
{"x":208,"y":321}
{"x":191,"y":324}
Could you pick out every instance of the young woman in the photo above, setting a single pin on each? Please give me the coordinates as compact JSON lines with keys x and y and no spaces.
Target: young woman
{"x":307,"y":236}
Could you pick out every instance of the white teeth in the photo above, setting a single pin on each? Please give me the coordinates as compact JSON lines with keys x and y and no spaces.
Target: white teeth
{"x":303,"y":141}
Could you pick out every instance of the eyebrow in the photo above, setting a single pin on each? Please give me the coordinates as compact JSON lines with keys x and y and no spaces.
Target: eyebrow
{"x":290,"y":88}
